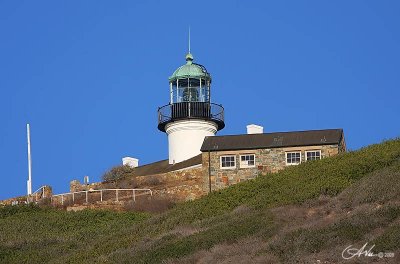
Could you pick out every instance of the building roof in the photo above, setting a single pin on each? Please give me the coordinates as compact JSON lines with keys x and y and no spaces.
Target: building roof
{"x":273,"y":140}
{"x":163,"y":166}
{"x":190,"y":70}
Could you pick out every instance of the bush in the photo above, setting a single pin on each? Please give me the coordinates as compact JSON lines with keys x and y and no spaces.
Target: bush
{"x":118,"y":173}
{"x":152,"y":180}
{"x":150,"y":204}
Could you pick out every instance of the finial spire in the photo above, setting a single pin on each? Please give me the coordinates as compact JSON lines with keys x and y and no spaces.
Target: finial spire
{"x":189,"y":56}
{"x":189,"y":39}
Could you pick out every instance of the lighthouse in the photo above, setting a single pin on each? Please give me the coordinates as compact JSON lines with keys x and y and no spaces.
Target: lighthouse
{"x":190,"y":115}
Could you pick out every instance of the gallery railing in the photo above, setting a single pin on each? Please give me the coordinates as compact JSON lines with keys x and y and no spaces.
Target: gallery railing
{"x":191,"y":110}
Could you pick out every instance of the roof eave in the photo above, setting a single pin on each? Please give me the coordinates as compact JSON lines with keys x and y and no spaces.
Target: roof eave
{"x":206,"y":149}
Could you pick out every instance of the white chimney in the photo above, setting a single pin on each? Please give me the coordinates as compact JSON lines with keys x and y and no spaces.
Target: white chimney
{"x":131,"y":162}
{"x":254,"y":129}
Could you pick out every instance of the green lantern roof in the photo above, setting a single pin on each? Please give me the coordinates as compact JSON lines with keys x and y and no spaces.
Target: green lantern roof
{"x":190,"y":70}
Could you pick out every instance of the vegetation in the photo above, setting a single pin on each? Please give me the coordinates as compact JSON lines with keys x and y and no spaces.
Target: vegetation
{"x":118,"y":173}
{"x":30,"y":234}
{"x":305,"y":214}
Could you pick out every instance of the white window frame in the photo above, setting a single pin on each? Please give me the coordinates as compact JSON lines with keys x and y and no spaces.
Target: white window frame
{"x":244,"y":164}
{"x":227,"y":168}
{"x":315,"y":150}
{"x":290,"y":164}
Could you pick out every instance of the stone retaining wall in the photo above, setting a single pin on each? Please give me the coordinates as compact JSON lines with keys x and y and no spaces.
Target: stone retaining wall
{"x":180,"y":185}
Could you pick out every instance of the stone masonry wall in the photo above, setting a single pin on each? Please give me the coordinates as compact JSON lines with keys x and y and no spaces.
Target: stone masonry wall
{"x":192,"y":183}
{"x":45,"y":192}
{"x":266,"y":160}
{"x":180,"y":185}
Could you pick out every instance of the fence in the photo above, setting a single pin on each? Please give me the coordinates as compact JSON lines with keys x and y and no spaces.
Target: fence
{"x":37,"y":195}
{"x":99,"y":195}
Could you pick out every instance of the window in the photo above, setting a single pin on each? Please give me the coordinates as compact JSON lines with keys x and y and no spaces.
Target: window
{"x":313,"y":155}
{"x":228,"y":162}
{"x":293,"y":158}
{"x":247,"y":161}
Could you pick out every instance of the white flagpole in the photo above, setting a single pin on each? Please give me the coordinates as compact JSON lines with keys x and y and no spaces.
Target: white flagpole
{"x":29,"y":182}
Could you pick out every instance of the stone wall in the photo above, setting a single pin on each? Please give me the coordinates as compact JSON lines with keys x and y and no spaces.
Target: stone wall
{"x":44,"y":192}
{"x":194,"y":182}
{"x":266,"y":161}
{"x":14,"y":200}
{"x":180,"y":185}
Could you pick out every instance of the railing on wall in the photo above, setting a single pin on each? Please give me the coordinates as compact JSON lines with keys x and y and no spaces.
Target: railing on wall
{"x":99,"y":195}
{"x":37,"y":195}
{"x":188,"y":110}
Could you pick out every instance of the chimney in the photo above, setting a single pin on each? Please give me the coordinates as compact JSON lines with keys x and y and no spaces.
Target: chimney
{"x":131,"y":162}
{"x":254,"y":129}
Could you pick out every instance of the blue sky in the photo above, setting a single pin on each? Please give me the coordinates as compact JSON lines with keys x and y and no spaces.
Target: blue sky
{"x":89,"y":75}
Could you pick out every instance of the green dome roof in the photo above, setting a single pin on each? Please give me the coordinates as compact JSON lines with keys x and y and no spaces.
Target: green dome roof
{"x":190,"y":70}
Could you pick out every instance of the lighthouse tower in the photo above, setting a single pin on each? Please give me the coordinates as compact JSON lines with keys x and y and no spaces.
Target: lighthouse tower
{"x":190,"y":116}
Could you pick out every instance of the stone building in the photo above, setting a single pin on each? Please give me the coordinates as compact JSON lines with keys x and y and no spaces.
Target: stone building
{"x":231,"y":159}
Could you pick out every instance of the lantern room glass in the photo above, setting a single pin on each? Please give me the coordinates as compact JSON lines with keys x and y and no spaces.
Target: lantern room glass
{"x":190,"y":90}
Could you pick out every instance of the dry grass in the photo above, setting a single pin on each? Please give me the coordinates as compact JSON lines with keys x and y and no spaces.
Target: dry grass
{"x":244,"y":251}
{"x":150,"y":204}
{"x":318,"y":230}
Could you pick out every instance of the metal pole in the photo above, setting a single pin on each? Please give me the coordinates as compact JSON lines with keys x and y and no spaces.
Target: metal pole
{"x":101,"y":195}
{"x":29,"y":183}
{"x":189,"y":39}
{"x":177,"y":90}
{"x":73,"y":198}
{"x":116,"y":194}
{"x":134,"y":198}
{"x":171,"y":92}
{"x":201,"y":97}
{"x":209,"y":170}
{"x":86,"y":196}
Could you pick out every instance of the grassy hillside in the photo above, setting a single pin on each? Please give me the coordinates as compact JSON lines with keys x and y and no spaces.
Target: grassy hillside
{"x":304,"y":214}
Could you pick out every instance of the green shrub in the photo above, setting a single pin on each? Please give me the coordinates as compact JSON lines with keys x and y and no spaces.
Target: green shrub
{"x":118,"y":173}
{"x":30,"y":234}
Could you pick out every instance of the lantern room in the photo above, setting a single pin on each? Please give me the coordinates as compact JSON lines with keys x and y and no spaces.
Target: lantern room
{"x":190,"y":83}
{"x":190,"y":97}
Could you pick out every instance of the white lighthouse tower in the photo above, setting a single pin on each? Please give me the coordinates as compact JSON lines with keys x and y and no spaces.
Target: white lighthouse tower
{"x":190,"y":116}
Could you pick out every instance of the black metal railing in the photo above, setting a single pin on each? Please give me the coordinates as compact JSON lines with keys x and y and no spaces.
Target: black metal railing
{"x":191,"y":110}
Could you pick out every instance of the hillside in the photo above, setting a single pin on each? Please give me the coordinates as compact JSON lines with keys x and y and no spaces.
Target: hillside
{"x":305,"y":214}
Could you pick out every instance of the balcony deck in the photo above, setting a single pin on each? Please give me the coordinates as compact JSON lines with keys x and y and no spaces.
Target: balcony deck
{"x":191,"y":110}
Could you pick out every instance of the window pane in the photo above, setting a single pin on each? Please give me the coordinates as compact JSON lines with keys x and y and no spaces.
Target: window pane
{"x":314,"y":155}
{"x":293,"y":157}
{"x":227,"y":161}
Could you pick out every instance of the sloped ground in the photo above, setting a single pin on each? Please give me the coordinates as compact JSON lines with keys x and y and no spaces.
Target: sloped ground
{"x":305,"y":214}
{"x":318,"y":230}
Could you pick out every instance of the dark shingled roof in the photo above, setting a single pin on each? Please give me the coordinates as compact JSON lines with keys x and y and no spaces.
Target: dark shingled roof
{"x":163,"y":166}
{"x":273,"y":140}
